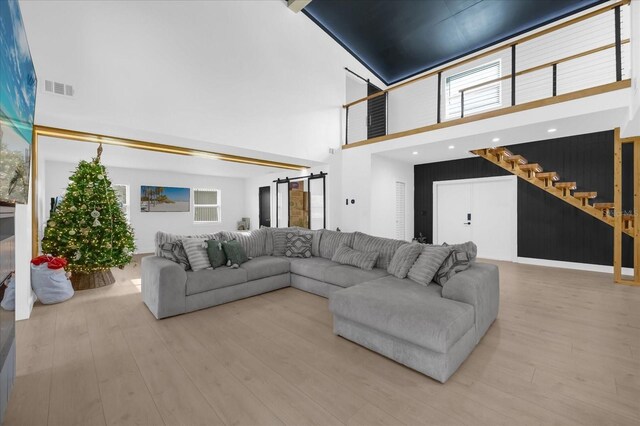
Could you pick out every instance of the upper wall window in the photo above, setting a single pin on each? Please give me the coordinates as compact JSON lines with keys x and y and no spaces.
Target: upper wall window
{"x":476,"y":99}
{"x":206,"y":205}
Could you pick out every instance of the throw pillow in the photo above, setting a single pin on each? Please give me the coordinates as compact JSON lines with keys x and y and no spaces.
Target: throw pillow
{"x":216,"y":255}
{"x":175,"y":252}
{"x":385,"y":246}
{"x":165,"y":237}
{"x":234,"y":252}
{"x":253,"y":242}
{"x":403,"y":259}
{"x":279,"y":239}
{"x":331,"y":240}
{"x":361,"y":259}
{"x":298,"y":244}
{"x":196,"y":249}
{"x":456,"y":262}
{"x":428,"y":263}
{"x":469,"y":247}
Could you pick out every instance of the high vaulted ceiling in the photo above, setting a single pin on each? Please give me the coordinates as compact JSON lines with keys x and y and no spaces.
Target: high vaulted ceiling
{"x":400,"y":38}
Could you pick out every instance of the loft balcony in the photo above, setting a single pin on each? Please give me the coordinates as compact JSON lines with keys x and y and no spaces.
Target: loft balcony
{"x":585,"y":56}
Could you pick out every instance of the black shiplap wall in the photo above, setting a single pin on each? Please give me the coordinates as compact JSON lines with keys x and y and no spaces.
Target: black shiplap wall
{"x":548,"y":228}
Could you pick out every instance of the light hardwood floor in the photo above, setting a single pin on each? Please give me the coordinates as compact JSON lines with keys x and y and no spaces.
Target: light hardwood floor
{"x":564,"y":350}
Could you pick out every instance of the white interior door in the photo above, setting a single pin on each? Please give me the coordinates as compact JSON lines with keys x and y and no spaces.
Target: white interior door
{"x":480,"y":210}
{"x":493,"y":207}
{"x":401,"y":213}
{"x":453,"y":204}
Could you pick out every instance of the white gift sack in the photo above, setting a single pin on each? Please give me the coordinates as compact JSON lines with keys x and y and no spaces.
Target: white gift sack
{"x":50,"y":285}
{"x":9,"y":299}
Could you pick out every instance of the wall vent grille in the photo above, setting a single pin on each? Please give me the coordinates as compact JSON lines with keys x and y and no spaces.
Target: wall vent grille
{"x":57,"y":88}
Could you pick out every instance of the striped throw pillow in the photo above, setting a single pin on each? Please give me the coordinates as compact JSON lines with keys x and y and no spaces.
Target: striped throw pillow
{"x":360,"y":259}
{"x":165,"y":237}
{"x":428,"y":263}
{"x":403,"y":259}
{"x":331,"y":240}
{"x":196,"y":249}
{"x":469,"y":248}
{"x":385,"y":246}
{"x":253,"y":242}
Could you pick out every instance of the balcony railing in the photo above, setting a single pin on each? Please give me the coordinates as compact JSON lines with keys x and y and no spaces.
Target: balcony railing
{"x":584,"y":56}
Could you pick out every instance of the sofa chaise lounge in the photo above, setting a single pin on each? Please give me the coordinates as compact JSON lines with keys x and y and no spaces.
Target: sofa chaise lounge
{"x":431,"y":329}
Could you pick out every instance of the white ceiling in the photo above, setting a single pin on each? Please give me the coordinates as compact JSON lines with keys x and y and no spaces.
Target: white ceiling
{"x":54,"y":149}
{"x":247,"y":74}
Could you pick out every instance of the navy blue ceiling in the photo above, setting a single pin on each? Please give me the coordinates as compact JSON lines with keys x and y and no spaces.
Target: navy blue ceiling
{"x":396,"y":39}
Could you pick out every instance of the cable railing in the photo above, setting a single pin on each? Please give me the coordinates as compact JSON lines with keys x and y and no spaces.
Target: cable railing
{"x":584,"y":56}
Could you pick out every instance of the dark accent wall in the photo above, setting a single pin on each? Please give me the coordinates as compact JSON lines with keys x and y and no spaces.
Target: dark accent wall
{"x":548,"y":228}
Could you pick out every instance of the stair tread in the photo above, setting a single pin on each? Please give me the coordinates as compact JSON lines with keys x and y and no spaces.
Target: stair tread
{"x":602,"y":206}
{"x":585,"y":194}
{"x":532,"y":166}
{"x":566,"y":185}
{"x":547,"y":174}
{"x":519,"y":159}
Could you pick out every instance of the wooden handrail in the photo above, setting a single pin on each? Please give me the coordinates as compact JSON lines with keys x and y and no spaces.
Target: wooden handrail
{"x":548,"y":64}
{"x":517,"y":41}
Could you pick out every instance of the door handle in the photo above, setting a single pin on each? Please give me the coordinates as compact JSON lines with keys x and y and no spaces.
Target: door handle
{"x":466,"y":223}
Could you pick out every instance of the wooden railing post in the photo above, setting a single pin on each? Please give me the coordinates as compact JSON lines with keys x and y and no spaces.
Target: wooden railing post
{"x":617,"y":206}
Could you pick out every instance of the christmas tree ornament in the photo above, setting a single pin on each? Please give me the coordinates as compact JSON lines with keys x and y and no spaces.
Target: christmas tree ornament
{"x":95,"y":214}
{"x":96,"y":222}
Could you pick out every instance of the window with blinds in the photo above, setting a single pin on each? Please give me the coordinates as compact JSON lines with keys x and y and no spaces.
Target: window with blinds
{"x":475,"y":99}
{"x":206,"y":205}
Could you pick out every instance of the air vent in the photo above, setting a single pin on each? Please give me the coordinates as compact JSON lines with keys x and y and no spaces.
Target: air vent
{"x":57,"y":88}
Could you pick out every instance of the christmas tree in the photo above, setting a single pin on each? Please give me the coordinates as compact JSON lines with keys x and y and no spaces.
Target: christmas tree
{"x":88,"y":227}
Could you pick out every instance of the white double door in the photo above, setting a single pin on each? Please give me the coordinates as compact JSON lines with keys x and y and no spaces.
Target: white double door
{"x":480,"y":210}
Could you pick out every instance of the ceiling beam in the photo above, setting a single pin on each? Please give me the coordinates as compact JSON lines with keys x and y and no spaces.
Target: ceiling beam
{"x":297,"y":5}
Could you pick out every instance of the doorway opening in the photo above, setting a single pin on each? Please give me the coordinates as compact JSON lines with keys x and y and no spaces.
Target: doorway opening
{"x":264,"y":203}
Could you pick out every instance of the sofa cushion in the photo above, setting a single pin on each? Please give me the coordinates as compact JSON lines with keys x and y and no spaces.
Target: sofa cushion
{"x":426,"y":266}
{"x":346,"y":276}
{"x":165,"y":237}
{"x":265,"y":266}
{"x":457,"y":261}
{"x":298,"y":244}
{"x":211,"y":279}
{"x":174,"y":251}
{"x":315,"y":241}
{"x":385,"y":246}
{"x":196,"y":249}
{"x":403,"y":259}
{"x":279,"y":238}
{"x":469,"y":247}
{"x":331,"y":240}
{"x":360,"y":259}
{"x":405,"y":310}
{"x":253,"y":242}
{"x":311,"y":268}
{"x":217,"y":258}
{"x":236,"y":255}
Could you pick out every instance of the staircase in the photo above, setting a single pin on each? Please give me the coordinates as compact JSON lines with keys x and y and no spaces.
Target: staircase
{"x":551,"y":183}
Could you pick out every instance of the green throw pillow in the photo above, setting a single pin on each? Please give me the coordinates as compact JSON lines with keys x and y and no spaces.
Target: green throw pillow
{"x":234,"y":252}
{"x":216,"y":253}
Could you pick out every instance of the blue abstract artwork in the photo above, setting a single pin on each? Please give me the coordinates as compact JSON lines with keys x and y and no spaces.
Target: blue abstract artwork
{"x":17,"y":104}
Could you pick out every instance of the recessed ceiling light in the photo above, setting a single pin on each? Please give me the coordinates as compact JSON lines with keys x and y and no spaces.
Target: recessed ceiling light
{"x":415,"y":152}
{"x":551,"y":130}
{"x":451,"y":146}
{"x":495,"y":140}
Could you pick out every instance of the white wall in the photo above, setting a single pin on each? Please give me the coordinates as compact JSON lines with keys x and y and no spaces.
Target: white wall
{"x":146,"y":225}
{"x":243,"y":74}
{"x":384,"y":175}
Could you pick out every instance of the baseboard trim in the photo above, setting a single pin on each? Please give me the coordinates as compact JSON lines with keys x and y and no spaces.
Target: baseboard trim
{"x":571,"y":265}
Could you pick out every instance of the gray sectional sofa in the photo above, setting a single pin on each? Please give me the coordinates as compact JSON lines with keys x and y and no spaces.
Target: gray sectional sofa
{"x":431,"y":329}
